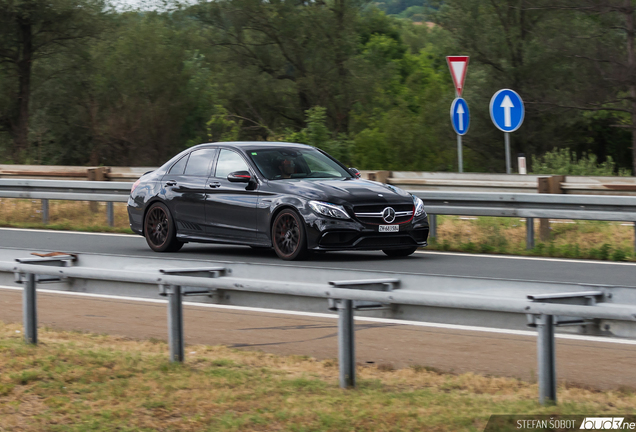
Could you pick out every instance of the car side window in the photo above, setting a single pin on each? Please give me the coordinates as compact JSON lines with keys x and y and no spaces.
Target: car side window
{"x":200,"y":162}
{"x":179,"y":167}
{"x":229,"y":162}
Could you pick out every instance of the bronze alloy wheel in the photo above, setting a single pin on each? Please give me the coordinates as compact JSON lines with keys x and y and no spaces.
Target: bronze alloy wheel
{"x":159,"y":230}
{"x":288,"y":235}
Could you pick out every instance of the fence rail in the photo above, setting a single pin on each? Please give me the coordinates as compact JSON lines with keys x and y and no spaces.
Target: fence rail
{"x":549,"y":305}
{"x":524,"y":205}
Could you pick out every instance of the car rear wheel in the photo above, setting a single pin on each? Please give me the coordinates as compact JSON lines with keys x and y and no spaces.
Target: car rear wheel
{"x":159,"y":229}
{"x":399,"y":252}
{"x":288,"y":236}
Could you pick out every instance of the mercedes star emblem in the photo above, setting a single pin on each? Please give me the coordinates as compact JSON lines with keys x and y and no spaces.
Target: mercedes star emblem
{"x":388,"y":214}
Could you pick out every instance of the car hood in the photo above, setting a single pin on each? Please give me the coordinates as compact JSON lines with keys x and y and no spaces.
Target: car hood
{"x":351,"y":191}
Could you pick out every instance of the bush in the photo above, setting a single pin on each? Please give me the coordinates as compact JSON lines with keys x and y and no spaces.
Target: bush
{"x":619,"y":255}
{"x":565,"y":162}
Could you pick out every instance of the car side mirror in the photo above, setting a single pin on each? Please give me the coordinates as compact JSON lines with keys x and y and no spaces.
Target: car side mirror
{"x":355,"y":172}
{"x":239,"y":177}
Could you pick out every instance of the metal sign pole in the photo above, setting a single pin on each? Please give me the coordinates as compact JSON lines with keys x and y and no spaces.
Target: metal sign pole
{"x":507,"y":139}
{"x":459,"y":153}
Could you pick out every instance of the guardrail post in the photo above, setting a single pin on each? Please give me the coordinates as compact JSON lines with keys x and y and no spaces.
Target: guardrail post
{"x":529,"y":233}
{"x":547,"y":360}
{"x":30,"y":310}
{"x":110,"y":214}
{"x":175,"y":324}
{"x":346,"y":344}
{"x":45,"y":211}
{"x":432,"y":226}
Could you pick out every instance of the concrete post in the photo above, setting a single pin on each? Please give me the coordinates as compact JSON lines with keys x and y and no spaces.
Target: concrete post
{"x":546,"y":355}
{"x":346,"y":344}
{"x":30,"y":310}
{"x":175,"y":324}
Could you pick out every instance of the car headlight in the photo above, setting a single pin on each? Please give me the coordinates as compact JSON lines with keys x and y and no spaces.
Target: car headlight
{"x":327,"y":209}
{"x":419,"y":206}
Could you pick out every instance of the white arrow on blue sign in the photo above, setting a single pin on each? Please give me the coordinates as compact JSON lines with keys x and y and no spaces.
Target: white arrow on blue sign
{"x":460,"y":116}
{"x":506,"y":110}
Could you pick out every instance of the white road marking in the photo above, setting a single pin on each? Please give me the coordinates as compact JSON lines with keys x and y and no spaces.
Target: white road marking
{"x":523,"y":257}
{"x":334,"y":316}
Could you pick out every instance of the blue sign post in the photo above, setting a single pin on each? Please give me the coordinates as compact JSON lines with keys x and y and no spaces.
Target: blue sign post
{"x":507,"y":113}
{"x":460,"y":119}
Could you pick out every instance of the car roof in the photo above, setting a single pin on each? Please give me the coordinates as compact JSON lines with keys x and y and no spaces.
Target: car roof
{"x":254,"y":144}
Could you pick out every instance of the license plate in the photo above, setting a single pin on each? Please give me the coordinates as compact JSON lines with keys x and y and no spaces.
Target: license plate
{"x":389,"y":228}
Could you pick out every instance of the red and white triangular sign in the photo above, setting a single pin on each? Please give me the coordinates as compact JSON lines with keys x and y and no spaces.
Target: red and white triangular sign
{"x":458,"y":66}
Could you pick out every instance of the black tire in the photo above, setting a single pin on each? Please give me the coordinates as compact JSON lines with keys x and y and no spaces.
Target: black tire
{"x":288,"y":236}
{"x":396,"y":253}
{"x":159,"y":229}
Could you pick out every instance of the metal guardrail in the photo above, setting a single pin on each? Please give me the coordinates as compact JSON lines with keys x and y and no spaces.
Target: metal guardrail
{"x":70,"y":190}
{"x":548,"y":307}
{"x":529,"y":206}
{"x":524,"y":205}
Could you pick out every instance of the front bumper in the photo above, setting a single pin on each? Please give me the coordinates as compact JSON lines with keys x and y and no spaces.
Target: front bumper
{"x":330,"y":234}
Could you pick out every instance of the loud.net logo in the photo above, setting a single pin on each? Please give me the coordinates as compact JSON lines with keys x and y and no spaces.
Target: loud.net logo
{"x":606,"y":423}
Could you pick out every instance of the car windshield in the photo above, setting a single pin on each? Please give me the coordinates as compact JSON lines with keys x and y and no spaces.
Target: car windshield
{"x":291,"y":163}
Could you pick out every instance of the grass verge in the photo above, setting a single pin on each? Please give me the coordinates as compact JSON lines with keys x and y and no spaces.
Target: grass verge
{"x":599,"y":240}
{"x":87,"y":382}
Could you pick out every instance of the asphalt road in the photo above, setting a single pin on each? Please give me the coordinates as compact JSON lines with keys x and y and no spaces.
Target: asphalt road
{"x":455,"y":264}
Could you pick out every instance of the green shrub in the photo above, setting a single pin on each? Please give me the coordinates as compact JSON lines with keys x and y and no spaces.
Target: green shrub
{"x":565,"y":162}
{"x":619,"y":255}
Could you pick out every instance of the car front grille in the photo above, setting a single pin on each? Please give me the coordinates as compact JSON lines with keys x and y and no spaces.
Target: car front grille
{"x":372,"y":214}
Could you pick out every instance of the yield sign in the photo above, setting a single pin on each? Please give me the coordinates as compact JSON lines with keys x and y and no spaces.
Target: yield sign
{"x":458,"y":66}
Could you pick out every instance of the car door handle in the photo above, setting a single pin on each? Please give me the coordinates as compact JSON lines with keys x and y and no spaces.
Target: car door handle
{"x":171,"y":183}
{"x":215,"y":184}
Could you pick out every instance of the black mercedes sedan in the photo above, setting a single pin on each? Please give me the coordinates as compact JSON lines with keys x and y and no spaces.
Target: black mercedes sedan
{"x":292,"y":197}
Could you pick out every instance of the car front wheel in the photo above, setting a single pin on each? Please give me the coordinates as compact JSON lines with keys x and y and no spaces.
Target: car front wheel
{"x":159,"y":229}
{"x":288,"y":236}
{"x":399,"y":252}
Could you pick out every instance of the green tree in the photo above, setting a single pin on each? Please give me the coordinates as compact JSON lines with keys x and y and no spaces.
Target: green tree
{"x":30,"y":31}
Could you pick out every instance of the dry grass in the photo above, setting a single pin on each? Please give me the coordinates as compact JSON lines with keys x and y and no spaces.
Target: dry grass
{"x":80,"y":382}
{"x":65,"y":215}
{"x":574,"y":239}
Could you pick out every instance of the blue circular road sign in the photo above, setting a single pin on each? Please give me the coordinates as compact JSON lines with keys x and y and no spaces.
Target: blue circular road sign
{"x":506,"y":110}
{"x":460,"y":117}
